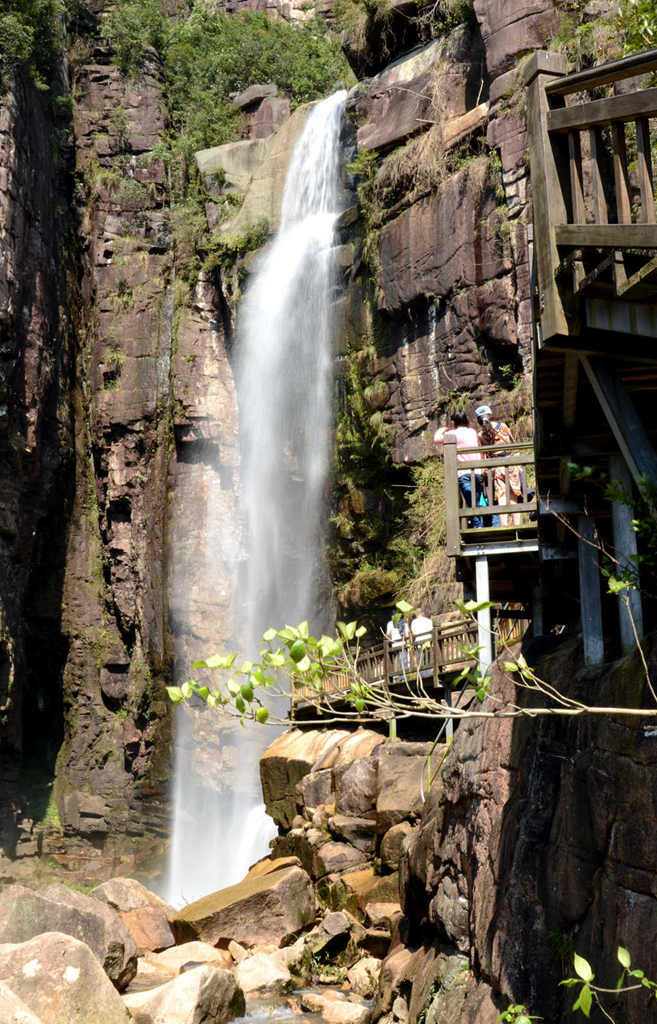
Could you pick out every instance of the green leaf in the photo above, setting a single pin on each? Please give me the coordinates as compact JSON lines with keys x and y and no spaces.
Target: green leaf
{"x":247,"y":691}
{"x":204,"y":692}
{"x":233,"y":687}
{"x":582,"y":968}
{"x":186,"y":690}
{"x":624,"y":958}
{"x":199,"y":664}
{"x":303,"y":629}
{"x":636,"y":973}
{"x":216,"y":661}
{"x":175,"y":694}
{"x":510,"y":666}
{"x":239,"y":704}
{"x":584,"y":1000}
{"x":262,"y":715}
{"x":359,"y":704}
{"x":269,"y":635}
{"x":304,"y":664}
{"x":361,"y":631}
{"x":212,"y":700}
{"x":404,"y":607}
{"x":298,"y":650}
{"x":258,"y":676}
{"x":247,"y":668}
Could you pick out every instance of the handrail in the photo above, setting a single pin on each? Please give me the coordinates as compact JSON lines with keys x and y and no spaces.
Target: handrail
{"x":604,"y":74}
{"x":490,"y":475}
{"x":584,"y":214}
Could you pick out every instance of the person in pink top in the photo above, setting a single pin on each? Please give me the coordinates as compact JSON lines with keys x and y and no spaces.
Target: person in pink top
{"x":466,"y":437}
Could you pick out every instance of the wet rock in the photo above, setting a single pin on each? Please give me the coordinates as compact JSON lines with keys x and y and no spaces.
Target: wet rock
{"x":363,"y":977}
{"x":204,"y":993}
{"x":259,"y":910}
{"x":25,"y":913}
{"x":353,"y":890}
{"x":60,"y":980}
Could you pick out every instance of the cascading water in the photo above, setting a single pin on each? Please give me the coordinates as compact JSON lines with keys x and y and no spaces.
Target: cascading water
{"x":283,"y":377}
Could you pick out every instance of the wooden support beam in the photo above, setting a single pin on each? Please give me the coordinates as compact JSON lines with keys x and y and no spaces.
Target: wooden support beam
{"x":589,"y":592}
{"x":570,"y":375}
{"x":600,"y":212}
{"x":630,"y":610}
{"x":624,"y":421}
{"x":484,"y":627}
{"x":644,"y":169}
{"x":548,"y":203}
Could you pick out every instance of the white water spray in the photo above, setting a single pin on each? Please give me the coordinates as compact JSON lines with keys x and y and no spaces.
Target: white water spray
{"x":284,"y":385}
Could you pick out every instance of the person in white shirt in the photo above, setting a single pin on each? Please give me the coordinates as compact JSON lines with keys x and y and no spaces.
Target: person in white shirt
{"x":466,"y":437}
{"x":421,"y":627}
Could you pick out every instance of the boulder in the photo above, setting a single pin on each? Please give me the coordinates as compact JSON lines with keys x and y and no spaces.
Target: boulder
{"x":353,"y":890}
{"x":363,"y":977}
{"x":257,"y":911}
{"x":359,"y":832}
{"x":296,"y":754}
{"x":316,"y":788}
{"x":401,"y":768}
{"x":261,"y":974}
{"x":203,"y":994}
{"x":174,"y":960}
{"x":356,"y":787}
{"x":392,"y":844}
{"x":149,"y":928}
{"x":382,"y":915}
{"x":60,"y":980}
{"x":332,"y":857}
{"x":13,"y":1010}
{"x":25,"y":913}
{"x":335,"y":1008}
{"x":127,"y":895}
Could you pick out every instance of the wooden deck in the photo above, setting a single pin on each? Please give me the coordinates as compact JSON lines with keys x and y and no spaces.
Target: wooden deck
{"x":433,"y":659}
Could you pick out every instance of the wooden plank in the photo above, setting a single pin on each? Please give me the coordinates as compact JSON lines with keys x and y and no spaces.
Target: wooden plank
{"x":644,"y":169}
{"x":641,"y":279}
{"x":508,"y":460}
{"x":589,"y":592}
{"x":591,"y":278}
{"x":597,"y":113}
{"x":600,"y":213}
{"x":607,"y":236}
{"x":623,"y":205}
{"x":511,"y":507}
{"x":603,"y":74}
{"x":452,"y":539}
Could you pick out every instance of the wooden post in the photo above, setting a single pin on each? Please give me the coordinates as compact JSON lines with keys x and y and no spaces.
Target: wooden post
{"x":547,"y":196}
{"x":452,"y":521}
{"x":629,"y":601}
{"x":386,"y":660}
{"x":449,"y":726}
{"x":484,"y":633}
{"x":589,"y":592}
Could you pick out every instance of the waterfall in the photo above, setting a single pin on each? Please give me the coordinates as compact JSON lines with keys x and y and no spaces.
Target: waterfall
{"x":284,"y":385}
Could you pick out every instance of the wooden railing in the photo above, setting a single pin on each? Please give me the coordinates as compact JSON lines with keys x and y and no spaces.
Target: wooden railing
{"x":593,"y":187}
{"x":488,"y":469}
{"x":434,"y":657}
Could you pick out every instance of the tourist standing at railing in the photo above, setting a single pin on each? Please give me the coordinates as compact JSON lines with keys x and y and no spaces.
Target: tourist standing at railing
{"x":466,"y":437}
{"x":398,"y":634}
{"x":493,"y":432}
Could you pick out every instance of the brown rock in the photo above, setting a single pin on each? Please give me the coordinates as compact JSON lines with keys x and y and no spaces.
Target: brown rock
{"x":512,"y":28}
{"x":176,"y":958}
{"x":400,"y":773}
{"x":205,"y":993}
{"x":256,"y":911}
{"x":61,"y":981}
{"x":335,"y":1008}
{"x":149,"y":928}
{"x":393,"y":842}
{"x":25,"y":913}
{"x":363,"y":977}
{"x":14,"y":1010}
{"x":144,"y":914}
{"x":356,"y":787}
{"x":359,"y":832}
{"x":333,"y":857}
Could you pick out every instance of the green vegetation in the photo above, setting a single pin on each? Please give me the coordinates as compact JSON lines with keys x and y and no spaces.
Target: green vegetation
{"x":637,"y":20}
{"x":31,"y":35}
{"x":209,"y":55}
